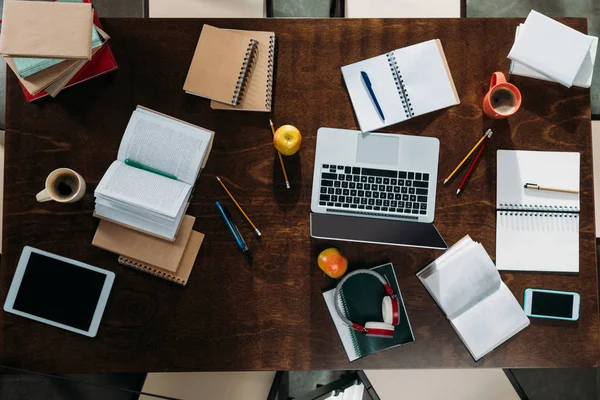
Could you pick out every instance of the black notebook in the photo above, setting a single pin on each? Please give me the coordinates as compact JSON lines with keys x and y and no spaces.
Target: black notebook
{"x":361,"y":299}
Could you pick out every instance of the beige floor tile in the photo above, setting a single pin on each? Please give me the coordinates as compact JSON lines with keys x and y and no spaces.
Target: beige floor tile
{"x":596,"y":156}
{"x":402,"y":8}
{"x":442,"y":384}
{"x":210,"y":385}
{"x":207,"y":8}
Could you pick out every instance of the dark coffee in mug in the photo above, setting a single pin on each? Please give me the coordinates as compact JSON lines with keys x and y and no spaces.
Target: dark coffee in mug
{"x":64,"y":185}
{"x":503,"y":101}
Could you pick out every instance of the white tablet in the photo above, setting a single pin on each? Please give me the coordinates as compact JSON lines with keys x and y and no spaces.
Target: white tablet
{"x":59,"y":291}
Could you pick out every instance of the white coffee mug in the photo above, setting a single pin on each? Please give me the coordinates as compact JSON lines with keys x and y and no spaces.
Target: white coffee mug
{"x":64,"y":186}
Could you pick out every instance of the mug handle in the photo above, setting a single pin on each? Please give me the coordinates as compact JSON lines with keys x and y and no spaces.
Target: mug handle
{"x":43,"y":196}
{"x":497,"y":77}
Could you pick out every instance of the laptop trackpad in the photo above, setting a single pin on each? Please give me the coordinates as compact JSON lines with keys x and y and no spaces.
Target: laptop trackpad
{"x":377,"y":149}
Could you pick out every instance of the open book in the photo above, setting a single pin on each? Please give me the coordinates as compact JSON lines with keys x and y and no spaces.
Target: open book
{"x":145,"y":200}
{"x":467,"y":287}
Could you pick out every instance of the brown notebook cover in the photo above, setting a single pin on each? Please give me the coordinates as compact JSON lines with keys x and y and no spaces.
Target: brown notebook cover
{"x":182,"y":274}
{"x":46,"y":29}
{"x":220,"y":65}
{"x":145,"y":248}
{"x":258,"y":90}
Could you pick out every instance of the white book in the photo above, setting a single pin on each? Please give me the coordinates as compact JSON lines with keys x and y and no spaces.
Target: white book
{"x":582,"y":79}
{"x":145,"y":200}
{"x":468,"y":288}
{"x":551,"y":48}
{"x":537,"y":230}
{"x":407,"y":82}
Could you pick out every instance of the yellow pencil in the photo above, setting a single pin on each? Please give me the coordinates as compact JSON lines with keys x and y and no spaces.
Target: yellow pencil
{"x":486,"y":134}
{"x":287,"y":182}
{"x":238,"y":206}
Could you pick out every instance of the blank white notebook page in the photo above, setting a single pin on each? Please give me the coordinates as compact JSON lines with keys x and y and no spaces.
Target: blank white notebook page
{"x":427,"y":81}
{"x":384,"y":87}
{"x":543,"y":168}
{"x":541,"y":242}
{"x":491,"y":322}
{"x":551,"y":48}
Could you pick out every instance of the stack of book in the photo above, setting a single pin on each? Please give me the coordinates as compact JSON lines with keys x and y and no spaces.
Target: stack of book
{"x":149,"y":185}
{"x":233,"y":68}
{"x":53,"y":45}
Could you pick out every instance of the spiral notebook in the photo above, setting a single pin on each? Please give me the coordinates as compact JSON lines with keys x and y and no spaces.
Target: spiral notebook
{"x":407,"y":82}
{"x":361,"y":301}
{"x":537,"y":230}
{"x":220,"y":65}
{"x":258,"y":87}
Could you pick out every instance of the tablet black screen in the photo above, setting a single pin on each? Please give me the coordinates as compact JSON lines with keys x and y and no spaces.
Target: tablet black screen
{"x":59,"y":291}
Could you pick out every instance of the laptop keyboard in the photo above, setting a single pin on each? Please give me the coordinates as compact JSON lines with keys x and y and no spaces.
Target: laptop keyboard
{"x":370,"y":190}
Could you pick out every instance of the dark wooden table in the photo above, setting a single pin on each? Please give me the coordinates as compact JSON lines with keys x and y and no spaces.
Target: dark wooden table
{"x":272,"y":316}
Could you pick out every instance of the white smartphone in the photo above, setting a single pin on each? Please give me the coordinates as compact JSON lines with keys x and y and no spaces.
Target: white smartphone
{"x":551,"y":304}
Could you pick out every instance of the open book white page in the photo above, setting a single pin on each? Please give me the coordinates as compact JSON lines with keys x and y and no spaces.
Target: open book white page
{"x":582,"y":79}
{"x":427,"y":80}
{"x":144,"y":189}
{"x":343,"y":330}
{"x":384,"y":87}
{"x":491,"y":322}
{"x":538,"y":242}
{"x":462,"y":280}
{"x":551,"y":48}
{"x":166,"y":144}
{"x":543,"y":168}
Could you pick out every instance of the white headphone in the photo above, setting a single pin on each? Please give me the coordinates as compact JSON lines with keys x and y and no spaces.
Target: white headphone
{"x":390,"y":308}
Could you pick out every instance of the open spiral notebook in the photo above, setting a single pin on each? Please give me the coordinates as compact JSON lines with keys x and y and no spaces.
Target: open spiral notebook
{"x":407,"y":82}
{"x":537,"y":230}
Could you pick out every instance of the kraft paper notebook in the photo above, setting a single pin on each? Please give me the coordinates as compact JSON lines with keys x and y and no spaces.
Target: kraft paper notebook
{"x":46,"y":29}
{"x":466,"y":285}
{"x":551,"y":48}
{"x":220,"y":65}
{"x":144,"y":248}
{"x":170,"y":261}
{"x":407,"y":82}
{"x":258,"y":91}
{"x":361,"y":302}
{"x":537,"y":230}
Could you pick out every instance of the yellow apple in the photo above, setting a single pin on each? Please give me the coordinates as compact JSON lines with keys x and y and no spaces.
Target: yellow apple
{"x":287,"y":140}
{"x":332,"y":262}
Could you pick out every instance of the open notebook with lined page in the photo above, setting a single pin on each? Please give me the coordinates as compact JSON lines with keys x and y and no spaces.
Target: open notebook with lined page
{"x":537,"y":230}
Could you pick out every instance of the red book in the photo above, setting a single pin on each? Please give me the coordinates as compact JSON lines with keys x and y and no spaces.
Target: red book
{"x":101,"y":63}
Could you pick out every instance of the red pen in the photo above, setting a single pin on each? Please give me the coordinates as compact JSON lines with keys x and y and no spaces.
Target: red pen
{"x":472,"y":166}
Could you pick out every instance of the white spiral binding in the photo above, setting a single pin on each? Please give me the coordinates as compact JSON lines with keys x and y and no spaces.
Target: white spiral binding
{"x":240,"y":85}
{"x":399,"y":80}
{"x":538,"y":207}
{"x":270,"y":64}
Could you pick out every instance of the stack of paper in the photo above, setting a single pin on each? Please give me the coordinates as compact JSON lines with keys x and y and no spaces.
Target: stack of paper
{"x":53,"y":45}
{"x":546,"y":49}
{"x":149,"y":185}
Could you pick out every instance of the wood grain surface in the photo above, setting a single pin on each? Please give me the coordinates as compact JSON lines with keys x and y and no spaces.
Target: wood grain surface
{"x":271,"y":315}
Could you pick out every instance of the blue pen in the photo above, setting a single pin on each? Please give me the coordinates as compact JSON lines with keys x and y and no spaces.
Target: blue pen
{"x":234,"y":230}
{"x":367,"y":82}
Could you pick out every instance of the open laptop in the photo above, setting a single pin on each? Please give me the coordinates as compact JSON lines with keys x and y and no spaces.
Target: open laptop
{"x":375,"y":188}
